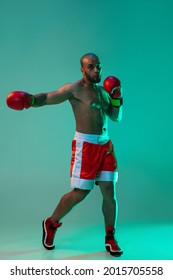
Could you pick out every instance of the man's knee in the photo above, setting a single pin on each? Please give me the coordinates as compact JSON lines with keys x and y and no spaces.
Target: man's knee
{"x":107,"y":189}
{"x":80,"y":194}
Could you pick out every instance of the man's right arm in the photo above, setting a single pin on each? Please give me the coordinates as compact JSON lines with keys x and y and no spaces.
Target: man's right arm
{"x":19,"y":100}
{"x":55,"y":97}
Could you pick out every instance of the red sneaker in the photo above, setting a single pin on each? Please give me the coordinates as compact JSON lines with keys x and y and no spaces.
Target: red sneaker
{"x":111,"y":243}
{"x":49,"y":230}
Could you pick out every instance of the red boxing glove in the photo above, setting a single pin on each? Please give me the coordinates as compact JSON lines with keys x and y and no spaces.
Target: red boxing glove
{"x":18,"y":100}
{"x":113,"y":86}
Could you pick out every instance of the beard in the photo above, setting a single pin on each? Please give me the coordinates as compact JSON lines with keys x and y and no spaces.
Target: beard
{"x":94,"y":79}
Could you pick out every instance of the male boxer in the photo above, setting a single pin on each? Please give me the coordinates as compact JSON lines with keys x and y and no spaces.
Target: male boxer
{"x":93,"y":160}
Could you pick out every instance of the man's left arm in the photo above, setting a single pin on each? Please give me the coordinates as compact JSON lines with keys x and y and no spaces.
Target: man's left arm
{"x":111,"y":106}
{"x":114,"y":112}
{"x":113,"y":90}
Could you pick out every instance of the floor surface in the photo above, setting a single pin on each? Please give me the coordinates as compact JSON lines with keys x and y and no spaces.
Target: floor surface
{"x":85,"y":242}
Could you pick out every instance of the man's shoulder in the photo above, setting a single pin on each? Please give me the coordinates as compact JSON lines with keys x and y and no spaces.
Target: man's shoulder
{"x":77,"y":84}
{"x":100,"y":87}
{"x":75,"y":89}
{"x":73,"y":86}
{"x":102,"y":90}
{"x":104,"y":93}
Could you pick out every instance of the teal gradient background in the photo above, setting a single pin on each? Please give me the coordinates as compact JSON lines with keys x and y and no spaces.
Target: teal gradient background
{"x":41,"y":45}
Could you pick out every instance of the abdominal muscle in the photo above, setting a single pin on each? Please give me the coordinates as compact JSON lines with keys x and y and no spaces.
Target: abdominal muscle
{"x":91,"y":121}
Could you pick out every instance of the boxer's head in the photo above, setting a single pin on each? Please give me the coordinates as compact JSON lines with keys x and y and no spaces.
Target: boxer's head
{"x":91,"y":68}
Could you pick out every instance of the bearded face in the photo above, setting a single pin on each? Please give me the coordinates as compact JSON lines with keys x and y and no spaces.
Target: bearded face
{"x":91,"y":69}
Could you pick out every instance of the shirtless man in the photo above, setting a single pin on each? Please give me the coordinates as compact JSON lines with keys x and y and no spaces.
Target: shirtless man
{"x":93,"y":159}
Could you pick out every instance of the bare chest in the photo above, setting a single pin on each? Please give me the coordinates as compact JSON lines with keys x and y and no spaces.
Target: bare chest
{"x":88,"y":96}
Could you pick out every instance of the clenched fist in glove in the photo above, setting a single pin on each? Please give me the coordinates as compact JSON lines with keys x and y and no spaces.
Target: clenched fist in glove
{"x":18,"y":100}
{"x":113,"y":86}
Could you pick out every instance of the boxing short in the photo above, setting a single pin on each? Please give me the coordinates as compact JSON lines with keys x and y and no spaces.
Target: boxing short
{"x":93,"y":160}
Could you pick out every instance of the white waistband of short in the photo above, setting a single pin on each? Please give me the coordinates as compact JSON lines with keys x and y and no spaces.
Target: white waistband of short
{"x":92,"y":138}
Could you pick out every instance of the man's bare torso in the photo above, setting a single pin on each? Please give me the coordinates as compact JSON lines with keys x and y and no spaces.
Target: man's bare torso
{"x":85,"y":101}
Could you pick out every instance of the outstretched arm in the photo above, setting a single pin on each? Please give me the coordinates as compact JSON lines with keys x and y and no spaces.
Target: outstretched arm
{"x":19,"y":100}
{"x":55,"y":97}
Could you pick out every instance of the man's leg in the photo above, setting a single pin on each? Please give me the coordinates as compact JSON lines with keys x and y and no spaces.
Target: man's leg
{"x":50,"y":225}
{"x":110,"y":213}
{"x":67,"y":202}
{"x":109,"y":206}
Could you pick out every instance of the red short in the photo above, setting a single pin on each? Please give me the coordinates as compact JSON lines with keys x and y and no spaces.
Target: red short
{"x":91,"y":161}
